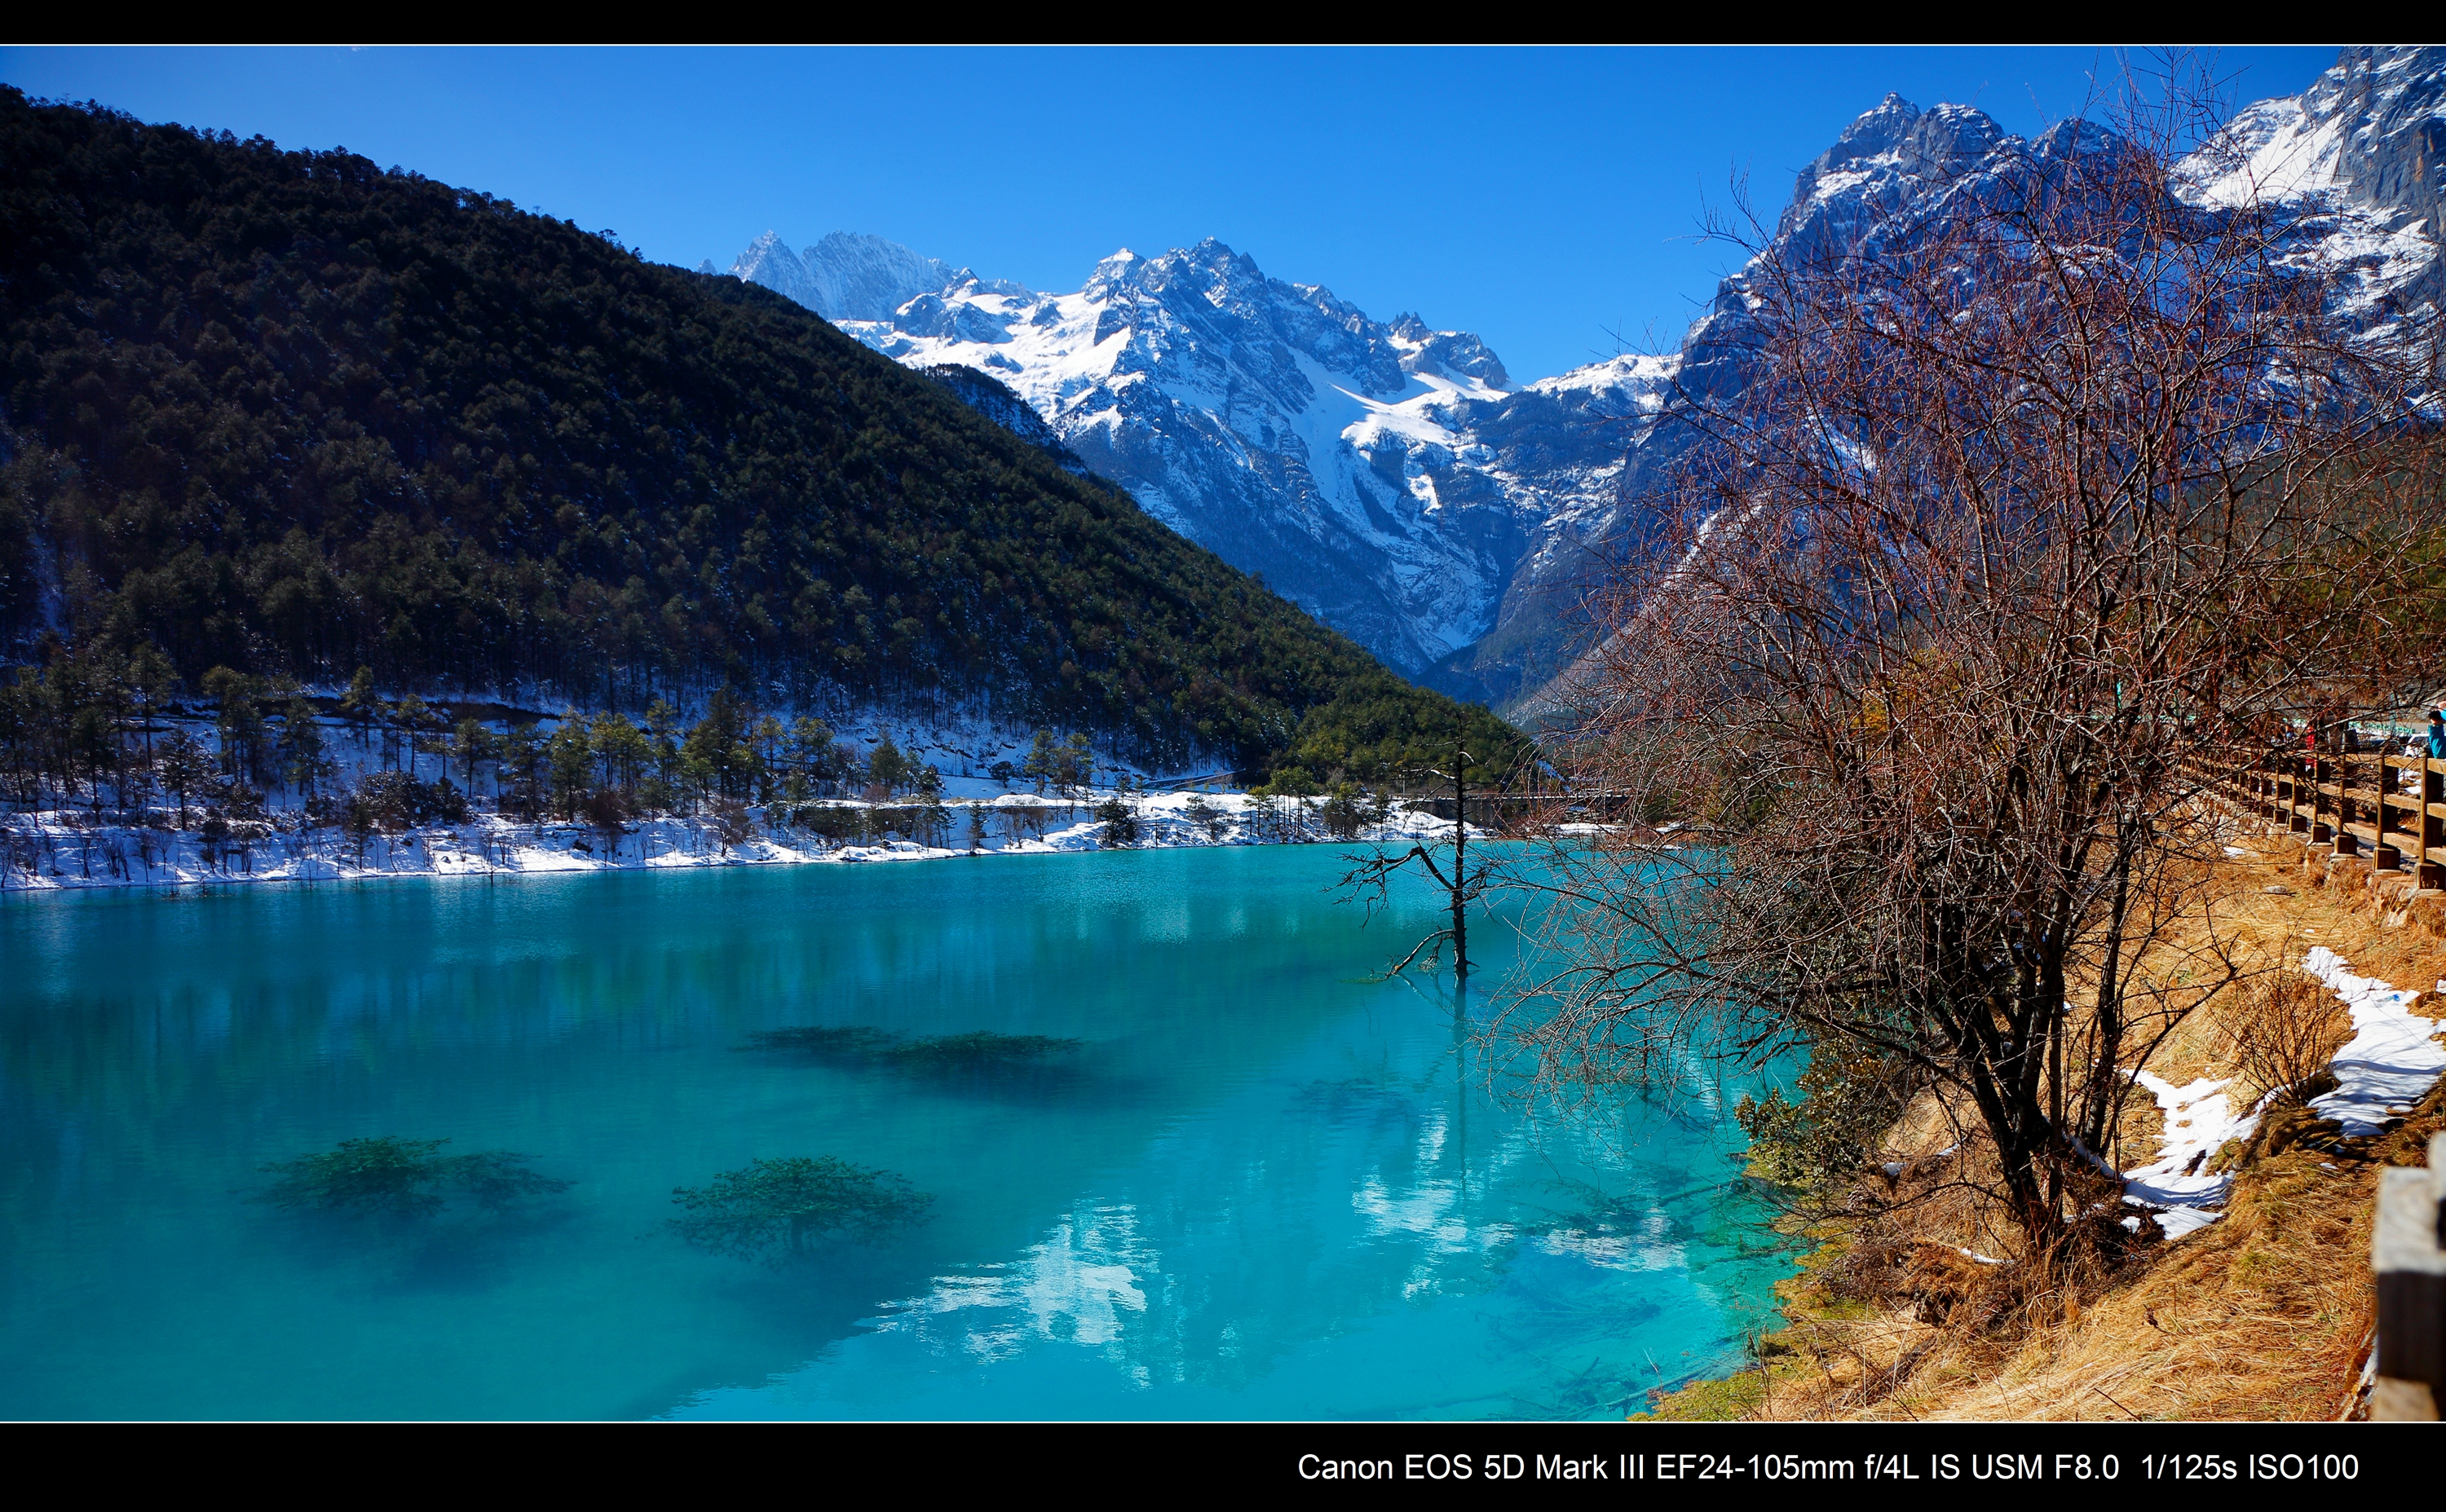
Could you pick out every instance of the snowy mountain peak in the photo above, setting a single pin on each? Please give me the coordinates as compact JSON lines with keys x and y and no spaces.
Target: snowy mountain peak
{"x":1899,"y":136}
{"x":1454,"y":354}
{"x":2349,"y":172}
{"x":848,"y":275}
{"x":1272,"y":422}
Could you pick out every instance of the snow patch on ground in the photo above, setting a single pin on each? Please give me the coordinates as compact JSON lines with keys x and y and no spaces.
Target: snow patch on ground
{"x":2391,"y":1062}
{"x":2393,"y":1058}
{"x":2199,"y":1119}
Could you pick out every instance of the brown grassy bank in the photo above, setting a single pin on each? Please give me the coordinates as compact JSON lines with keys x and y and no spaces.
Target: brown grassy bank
{"x":2265,"y":1313}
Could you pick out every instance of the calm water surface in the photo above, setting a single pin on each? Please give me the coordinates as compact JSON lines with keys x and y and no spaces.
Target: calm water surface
{"x":1265,"y":1188}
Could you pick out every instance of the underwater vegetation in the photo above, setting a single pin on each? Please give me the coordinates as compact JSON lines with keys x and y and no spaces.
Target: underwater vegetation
{"x":822,"y":1043}
{"x":780,"y":1209}
{"x":403,"y":1178}
{"x":983,"y":1051}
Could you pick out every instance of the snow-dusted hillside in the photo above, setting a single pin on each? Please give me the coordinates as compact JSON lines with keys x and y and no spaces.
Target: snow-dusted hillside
{"x":2359,"y":162}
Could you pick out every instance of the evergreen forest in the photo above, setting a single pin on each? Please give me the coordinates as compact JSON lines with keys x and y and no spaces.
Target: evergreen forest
{"x":288,"y":414}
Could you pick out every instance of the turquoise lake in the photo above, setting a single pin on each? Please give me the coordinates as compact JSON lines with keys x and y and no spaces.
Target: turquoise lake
{"x":1265,"y":1188}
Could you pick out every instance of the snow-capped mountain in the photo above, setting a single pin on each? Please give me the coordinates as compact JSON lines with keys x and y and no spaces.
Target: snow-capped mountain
{"x":1387,"y":476}
{"x":851,"y":276}
{"x":1395,"y":481}
{"x":2351,"y":168}
{"x":2358,"y":161}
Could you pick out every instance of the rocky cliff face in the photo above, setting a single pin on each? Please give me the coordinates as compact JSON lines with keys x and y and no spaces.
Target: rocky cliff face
{"x":1395,"y":481}
{"x":2358,"y":162}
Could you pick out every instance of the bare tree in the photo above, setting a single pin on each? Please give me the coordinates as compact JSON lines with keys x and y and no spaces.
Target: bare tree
{"x":2038,"y":508}
{"x":1371,"y":872}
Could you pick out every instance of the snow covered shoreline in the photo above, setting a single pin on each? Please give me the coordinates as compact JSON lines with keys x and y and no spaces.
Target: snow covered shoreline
{"x":63,"y":850}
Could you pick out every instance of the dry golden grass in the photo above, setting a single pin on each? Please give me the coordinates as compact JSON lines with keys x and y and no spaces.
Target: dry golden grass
{"x":2265,"y":1313}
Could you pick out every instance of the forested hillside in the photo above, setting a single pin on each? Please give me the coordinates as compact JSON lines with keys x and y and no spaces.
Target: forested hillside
{"x":291,"y":414}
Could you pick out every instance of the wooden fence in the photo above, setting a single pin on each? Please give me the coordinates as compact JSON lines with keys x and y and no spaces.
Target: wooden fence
{"x":2389,"y":810}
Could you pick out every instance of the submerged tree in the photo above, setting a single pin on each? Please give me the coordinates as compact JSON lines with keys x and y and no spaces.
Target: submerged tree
{"x":2039,"y":510}
{"x":826,"y":1041}
{"x":403,"y":1178}
{"x":780,"y":1209}
{"x":1371,"y":874}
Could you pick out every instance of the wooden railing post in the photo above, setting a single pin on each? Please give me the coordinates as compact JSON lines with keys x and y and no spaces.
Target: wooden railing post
{"x":2408,"y":1252}
{"x":2433,"y":829}
{"x":2387,"y":856}
{"x":2347,"y":843}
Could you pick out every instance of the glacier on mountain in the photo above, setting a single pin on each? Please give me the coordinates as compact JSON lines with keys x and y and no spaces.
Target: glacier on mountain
{"x":1394,"y":478}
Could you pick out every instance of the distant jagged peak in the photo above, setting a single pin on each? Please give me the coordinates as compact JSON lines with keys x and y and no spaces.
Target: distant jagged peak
{"x":856,"y":275}
{"x":768,"y":260}
{"x":1115,"y":272}
{"x":1899,"y":136}
{"x":1457,"y":354}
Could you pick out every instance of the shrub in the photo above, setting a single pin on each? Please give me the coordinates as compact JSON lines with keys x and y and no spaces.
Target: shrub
{"x":781,"y":1209}
{"x":2284,"y":1035}
{"x":732,"y":821}
{"x":1848,"y":1101}
{"x":980,"y":1050}
{"x":1206,"y":816}
{"x":403,"y":1178}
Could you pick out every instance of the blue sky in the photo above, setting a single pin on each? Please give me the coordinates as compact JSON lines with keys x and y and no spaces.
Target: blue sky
{"x":1546,"y":199}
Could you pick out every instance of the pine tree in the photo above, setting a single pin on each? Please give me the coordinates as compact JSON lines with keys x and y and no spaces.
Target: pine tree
{"x":304,"y":760}
{"x":1075,"y":764}
{"x":570,"y":758}
{"x":361,"y":706}
{"x":412,"y":718}
{"x":887,"y":768}
{"x":185,"y":766}
{"x":1040,"y":764}
{"x":471,"y":743}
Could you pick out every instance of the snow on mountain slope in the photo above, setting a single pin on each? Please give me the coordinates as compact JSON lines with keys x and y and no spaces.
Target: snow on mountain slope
{"x":2353,"y":171}
{"x":1387,"y":478}
{"x":2358,"y":162}
{"x":847,"y":275}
